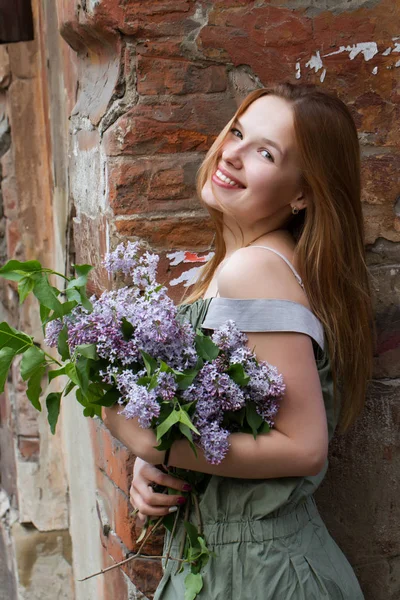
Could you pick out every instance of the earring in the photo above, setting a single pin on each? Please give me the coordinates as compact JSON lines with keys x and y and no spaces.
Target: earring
{"x":295,"y":210}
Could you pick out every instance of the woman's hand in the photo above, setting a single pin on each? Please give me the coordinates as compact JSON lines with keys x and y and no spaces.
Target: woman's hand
{"x":149,"y":502}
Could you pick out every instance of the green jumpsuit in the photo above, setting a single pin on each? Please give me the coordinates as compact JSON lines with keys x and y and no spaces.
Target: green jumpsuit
{"x":268,"y":536}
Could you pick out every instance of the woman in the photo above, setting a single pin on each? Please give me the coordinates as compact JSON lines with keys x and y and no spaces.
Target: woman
{"x":282,"y":184}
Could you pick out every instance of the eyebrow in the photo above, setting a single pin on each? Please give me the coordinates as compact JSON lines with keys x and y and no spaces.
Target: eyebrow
{"x":266,"y":140}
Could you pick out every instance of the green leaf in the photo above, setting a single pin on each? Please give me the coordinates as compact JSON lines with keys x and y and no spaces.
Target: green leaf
{"x":44,"y":315}
{"x":81,"y":398}
{"x":17,"y":340}
{"x":265,"y":428}
{"x":127,"y":329}
{"x":88,"y":411}
{"x":110,"y":398}
{"x":149,"y":362}
{"x":193,"y":534}
{"x":70,"y":371}
{"x":67,"y":307}
{"x":82,"y":373}
{"x":87,"y":350}
{"x":34,"y":388}
{"x":205,"y":347}
{"x":25,"y":286}
{"x":62,"y":344}
{"x":186,"y":378}
{"x":185,"y":419}
{"x":6,"y":358}
{"x":53,"y":373}
{"x":15,"y":270}
{"x":85,"y":300}
{"x":53,"y":402}
{"x":44,"y":292}
{"x":193,"y":585}
{"x":253,"y":418}
{"x":32,"y":359}
{"x":73,"y":294}
{"x":184,"y":429}
{"x":168,"y":521}
{"x":166,"y":425}
{"x":69,"y":387}
{"x":238,"y":374}
{"x":83,"y":270}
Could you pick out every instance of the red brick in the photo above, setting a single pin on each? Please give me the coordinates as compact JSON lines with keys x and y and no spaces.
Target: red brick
{"x":151,"y":185}
{"x":28,"y":447}
{"x":175,"y":126}
{"x":188,"y":233}
{"x":118,"y":509}
{"x":380,"y":178}
{"x":111,"y":456}
{"x":164,"y":76}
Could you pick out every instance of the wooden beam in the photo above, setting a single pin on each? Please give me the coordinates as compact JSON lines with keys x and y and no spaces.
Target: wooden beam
{"x":16,"y":21}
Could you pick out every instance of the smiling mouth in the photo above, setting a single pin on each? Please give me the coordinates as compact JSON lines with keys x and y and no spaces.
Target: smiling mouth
{"x":220,"y":177}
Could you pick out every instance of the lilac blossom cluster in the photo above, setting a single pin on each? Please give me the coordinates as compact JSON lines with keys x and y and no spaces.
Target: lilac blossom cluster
{"x":145,"y":306}
{"x":216,"y":392}
{"x":128,"y":323}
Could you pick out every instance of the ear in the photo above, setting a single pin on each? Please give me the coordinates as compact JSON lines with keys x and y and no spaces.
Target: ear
{"x":301,"y":201}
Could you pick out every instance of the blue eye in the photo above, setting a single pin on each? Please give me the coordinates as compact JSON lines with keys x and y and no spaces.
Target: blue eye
{"x":236,"y":132}
{"x":270,"y":157}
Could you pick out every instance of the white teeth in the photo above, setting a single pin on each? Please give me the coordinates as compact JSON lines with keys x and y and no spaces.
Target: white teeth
{"x":225,"y":179}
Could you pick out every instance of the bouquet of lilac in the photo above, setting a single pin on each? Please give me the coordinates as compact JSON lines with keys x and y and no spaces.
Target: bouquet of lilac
{"x":130,"y":346}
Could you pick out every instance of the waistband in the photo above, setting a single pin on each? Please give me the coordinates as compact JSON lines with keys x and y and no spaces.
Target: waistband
{"x":229,"y":532}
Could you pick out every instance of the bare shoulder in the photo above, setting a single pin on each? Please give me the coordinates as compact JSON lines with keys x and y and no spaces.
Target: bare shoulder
{"x":253,"y":272}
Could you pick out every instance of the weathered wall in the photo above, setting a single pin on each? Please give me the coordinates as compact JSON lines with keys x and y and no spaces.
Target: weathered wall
{"x":157,"y":81}
{"x":35,"y":546}
{"x":147,"y":86}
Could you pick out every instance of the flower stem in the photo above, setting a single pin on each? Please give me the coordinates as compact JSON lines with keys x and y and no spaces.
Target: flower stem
{"x":172,"y":536}
{"x":52,"y":358}
{"x":198,"y":513}
{"x":136,"y":555}
{"x":184,"y":533}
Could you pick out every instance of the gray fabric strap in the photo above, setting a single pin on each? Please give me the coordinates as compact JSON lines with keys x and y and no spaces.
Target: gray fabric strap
{"x":264,"y":314}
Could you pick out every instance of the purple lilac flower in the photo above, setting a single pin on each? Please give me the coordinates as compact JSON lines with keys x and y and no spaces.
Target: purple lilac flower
{"x":52,"y":332}
{"x":141,"y":402}
{"x":229,"y":337}
{"x":214,"y":442}
{"x":130,"y":260}
{"x":166,"y":386}
{"x":103,"y":327}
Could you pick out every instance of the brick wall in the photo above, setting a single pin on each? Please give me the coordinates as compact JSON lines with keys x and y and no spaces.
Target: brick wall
{"x":148,"y":85}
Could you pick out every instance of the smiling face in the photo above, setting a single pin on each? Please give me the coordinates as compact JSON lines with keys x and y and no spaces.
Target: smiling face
{"x":257,"y":180}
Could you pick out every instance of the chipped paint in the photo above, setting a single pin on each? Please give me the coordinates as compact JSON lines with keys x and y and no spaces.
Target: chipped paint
{"x":187,"y":278}
{"x":368,"y":49}
{"x":182,"y":256}
{"x":315,"y":62}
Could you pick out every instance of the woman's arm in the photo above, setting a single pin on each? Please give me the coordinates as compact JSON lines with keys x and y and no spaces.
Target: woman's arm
{"x":298,"y":444}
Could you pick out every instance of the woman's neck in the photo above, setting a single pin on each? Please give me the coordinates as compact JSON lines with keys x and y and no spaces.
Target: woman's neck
{"x":234,"y":239}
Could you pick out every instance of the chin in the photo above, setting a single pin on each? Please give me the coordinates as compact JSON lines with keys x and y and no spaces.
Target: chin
{"x":208,"y":197}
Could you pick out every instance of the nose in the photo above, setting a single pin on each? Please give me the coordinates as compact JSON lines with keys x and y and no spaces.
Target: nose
{"x":231,"y":155}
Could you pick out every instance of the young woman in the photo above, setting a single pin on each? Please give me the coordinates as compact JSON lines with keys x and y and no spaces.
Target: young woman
{"x":282,"y":184}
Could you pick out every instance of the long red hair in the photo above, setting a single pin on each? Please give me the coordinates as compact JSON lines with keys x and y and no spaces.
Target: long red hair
{"x":329,"y":233}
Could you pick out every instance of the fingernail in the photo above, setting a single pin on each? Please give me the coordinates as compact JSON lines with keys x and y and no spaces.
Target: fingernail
{"x":172,"y":509}
{"x":181,"y":500}
{"x":187,"y":487}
